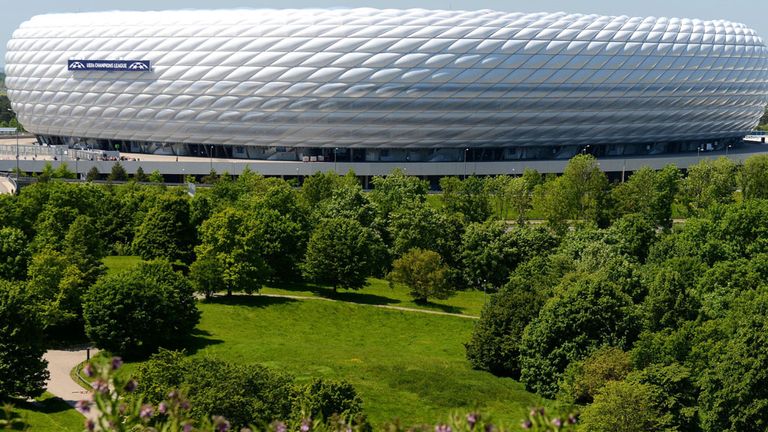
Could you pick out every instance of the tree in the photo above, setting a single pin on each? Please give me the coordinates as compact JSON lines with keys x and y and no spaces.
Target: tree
{"x":342,"y":253}
{"x":589,"y":312}
{"x":634,"y":234}
{"x":320,"y":186}
{"x":520,"y":192}
{"x":495,"y":342}
{"x":424,"y":273}
{"x":670,"y":301}
{"x":395,"y":191}
{"x":14,"y":254}
{"x":93,"y":174}
{"x":156,"y":177}
{"x":85,"y":248}
{"x":165,"y":231}
{"x":673,"y":395}
{"x":231,"y":254}
{"x":467,"y":197}
{"x":118,"y":173}
{"x":649,"y":193}
{"x":419,"y":225}
{"x":579,"y":195}
{"x":23,"y":371}
{"x":63,"y":172}
{"x":490,"y":252}
{"x":753,"y":177}
{"x":140,"y":176}
{"x":134,"y":312}
{"x":621,"y":407}
{"x":584,"y":379}
{"x":707,"y":183}
{"x":56,"y":287}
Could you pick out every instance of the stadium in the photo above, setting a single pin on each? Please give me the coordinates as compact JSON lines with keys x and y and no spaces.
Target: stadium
{"x":369,"y":86}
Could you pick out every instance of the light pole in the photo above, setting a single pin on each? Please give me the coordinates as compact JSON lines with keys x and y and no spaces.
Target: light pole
{"x":466,"y":150}
{"x":584,"y":150}
{"x":17,"y":153}
{"x":726,"y":150}
{"x":698,"y":151}
{"x":77,"y":170}
{"x":211,"y":158}
{"x":335,"y":151}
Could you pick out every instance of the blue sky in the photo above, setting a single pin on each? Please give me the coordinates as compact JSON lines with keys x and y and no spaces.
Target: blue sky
{"x":754,"y":13}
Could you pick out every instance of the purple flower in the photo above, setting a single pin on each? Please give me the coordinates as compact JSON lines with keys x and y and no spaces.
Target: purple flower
{"x":116,"y":363}
{"x":173,"y":395}
{"x":162,"y":408}
{"x":101,"y":386}
{"x":526,"y":424}
{"x":187,"y":427}
{"x":572,"y":419}
{"x":306,"y":425}
{"x":472,"y":419}
{"x":90,"y":425}
{"x":490,"y":428}
{"x":534,"y":412}
{"x":442,"y":428}
{"x":130,"y":386}
{"x":557,"y":422}
{"x":146,"y":411}
{"x":280,"y":427}
{"x":221,"y":424}
{"x":88,"y":370}
{"x":83,"y":406}
{"x":185,"y":405}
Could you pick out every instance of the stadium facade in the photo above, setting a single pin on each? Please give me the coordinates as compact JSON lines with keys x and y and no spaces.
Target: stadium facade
{"x":369,"y":85}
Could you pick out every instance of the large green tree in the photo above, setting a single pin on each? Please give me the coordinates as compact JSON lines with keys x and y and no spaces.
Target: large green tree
{"x":14,"y":253}
{"x":649,"y":193}
{"x":468,"y":197}
{"x":134,"y":312}
{"x":342,"y":253}
{"x":578,"y":196}
{"x":166,"y":231}
{"x":424,"y":273}
{"x":621,"y":407}
{"x":707,"y":183}
{"x":589,"y":312}
{"x":22,"y":367}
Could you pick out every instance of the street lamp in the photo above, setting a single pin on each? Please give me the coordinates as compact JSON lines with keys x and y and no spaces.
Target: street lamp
{"x":698,"y":151}
{"x":211,"y":158}
{"x":584,"y":150}
{"x":17,"y":148}
{"x":335,"y":151}
{"x":726,"y":149}
{"x":465,"y":163}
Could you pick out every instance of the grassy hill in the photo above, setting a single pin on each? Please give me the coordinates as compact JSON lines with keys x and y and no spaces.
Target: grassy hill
{"x":405,"y":364}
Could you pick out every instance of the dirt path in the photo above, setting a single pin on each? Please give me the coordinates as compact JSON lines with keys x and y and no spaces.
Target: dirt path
{"x":398,"y":308}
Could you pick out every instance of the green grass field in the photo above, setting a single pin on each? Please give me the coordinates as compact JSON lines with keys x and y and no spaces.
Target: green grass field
{"x":48,"y":414}
{"x":406,"y":365}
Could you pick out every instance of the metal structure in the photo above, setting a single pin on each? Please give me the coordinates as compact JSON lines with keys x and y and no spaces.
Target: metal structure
{"x":435,"y":85}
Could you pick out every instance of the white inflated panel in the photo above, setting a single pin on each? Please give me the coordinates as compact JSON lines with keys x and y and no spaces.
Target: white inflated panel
{"x":387,"y":78}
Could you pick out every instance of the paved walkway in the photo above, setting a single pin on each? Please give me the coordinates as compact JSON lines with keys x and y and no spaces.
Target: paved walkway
{"x":60,"y":384}
{"x":398,"y":308}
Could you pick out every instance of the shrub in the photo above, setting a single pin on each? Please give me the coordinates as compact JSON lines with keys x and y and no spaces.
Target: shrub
{"x":322,"y":399}
{"x":621,"y":407}
{"x":583,"y":380}
{"x":134,"y":312}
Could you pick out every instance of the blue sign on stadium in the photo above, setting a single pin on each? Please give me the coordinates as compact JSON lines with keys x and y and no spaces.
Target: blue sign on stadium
{"x":109,"y":65}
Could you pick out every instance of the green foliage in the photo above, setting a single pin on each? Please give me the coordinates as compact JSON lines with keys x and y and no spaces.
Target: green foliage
{"x":634,"y":234}
{"x":421,"y":226}
{"x":467,"y":197}
{"x":134,"y":312}
{"x":673,"y":395}
{"x":584,"y":379}
{"x":118,"y":173}
{"x":580,"y":195}
{"x":491,"y":251}
{"x":648,"y":193}
{"x":166,"y":231}
{"x":495,"y":342}
{"x":22,"y":368}
{"x":588,"y":312}
{"x":424,"y":273}
{"x":397,"y":190}
{"x":92,"y":174}
{"x":244,"y":394}
{"x":322,"y":399}
{"x":621,"y":407}
{"x":707,"y":183}
{"x":156,"y":177}
{"x":55,"y":287}
{"x":140,"y":176}
{"x":670,"y":300}
{"x":342,"y":253}
{"x":14,"y":253}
